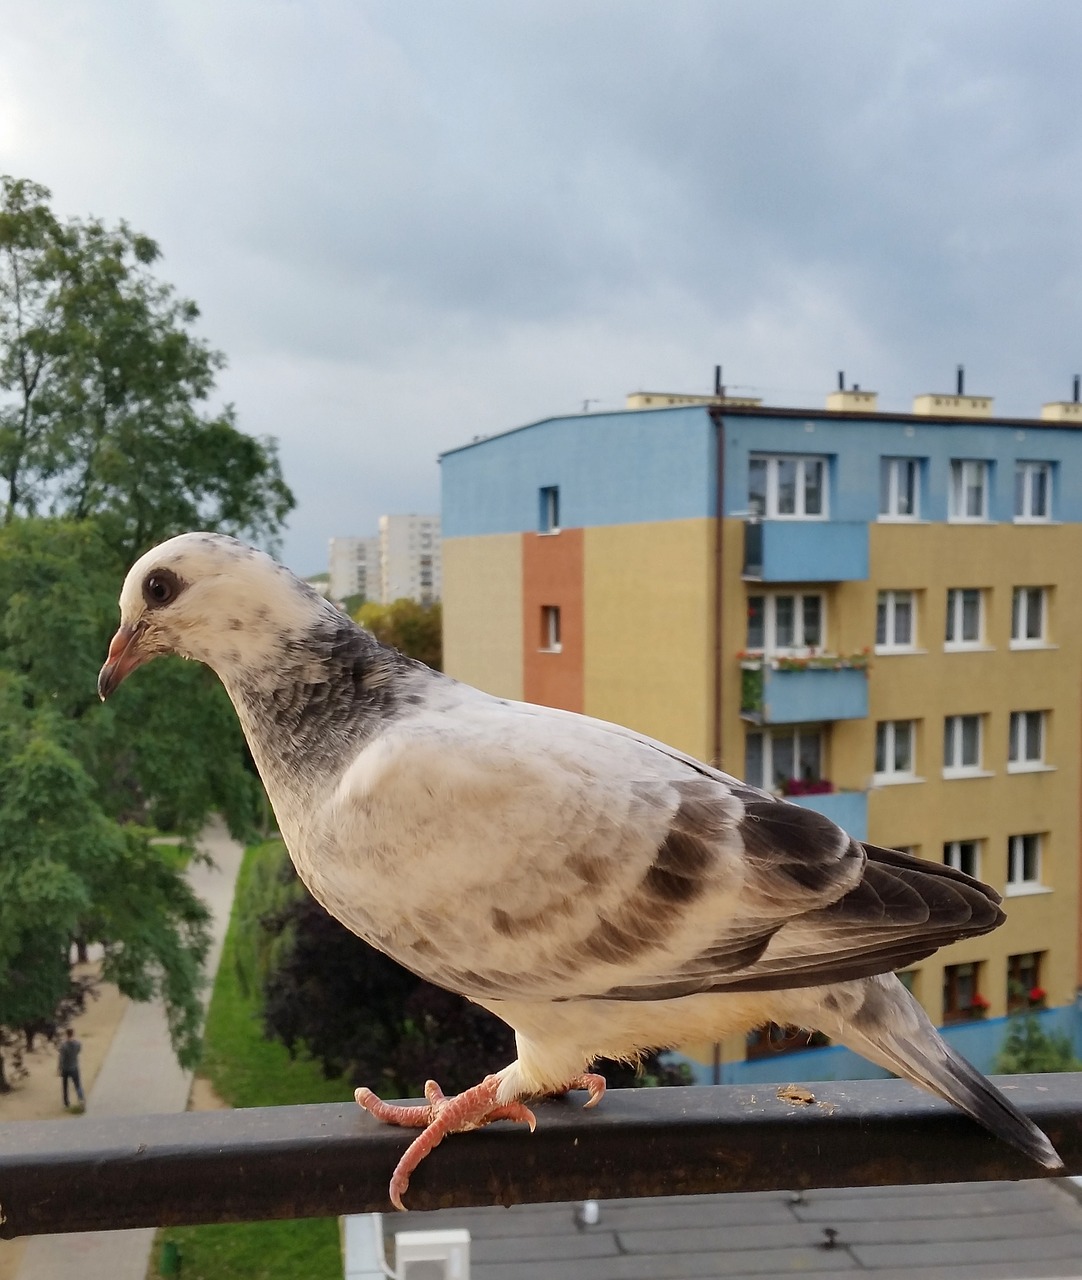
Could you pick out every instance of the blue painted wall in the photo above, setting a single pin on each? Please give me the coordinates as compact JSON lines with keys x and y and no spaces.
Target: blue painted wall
{"x":978,"y":1042}
{"x":858,"y":447}
{"x":637,"y":466}
{"x":611,"y":468}
{"x":802,"y":697}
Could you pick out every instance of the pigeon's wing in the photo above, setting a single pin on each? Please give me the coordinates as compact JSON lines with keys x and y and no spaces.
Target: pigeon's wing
{"x":583,"y":862}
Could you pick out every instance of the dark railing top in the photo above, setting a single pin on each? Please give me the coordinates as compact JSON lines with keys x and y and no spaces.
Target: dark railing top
{"x":91,"y":1174}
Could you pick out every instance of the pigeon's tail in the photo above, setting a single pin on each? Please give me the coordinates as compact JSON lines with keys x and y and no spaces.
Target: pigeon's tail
{"x":893,"y":1030}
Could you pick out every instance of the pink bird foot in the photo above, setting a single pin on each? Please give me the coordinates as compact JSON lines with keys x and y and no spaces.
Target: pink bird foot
{"x":459,"y":1114}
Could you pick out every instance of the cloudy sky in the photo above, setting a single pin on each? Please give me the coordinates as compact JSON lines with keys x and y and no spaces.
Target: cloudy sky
{"x":407,"y":223}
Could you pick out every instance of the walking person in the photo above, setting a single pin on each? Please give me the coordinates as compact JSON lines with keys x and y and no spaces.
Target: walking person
{"x":69,"y":1065}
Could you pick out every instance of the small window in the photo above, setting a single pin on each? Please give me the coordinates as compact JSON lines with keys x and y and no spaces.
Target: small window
{"x":785,"y":623}
{"x":894,"y":751}
{"x":968,"y":490}
{"x":899,"y":488}
{"x":1032,"y":492}
{"x":1029,"y":617}
{"x":895,"y":621}
{"x":550,"y":628}
{"x":962,"y":998}
{"x":783,"y":487}
{"x":908,"y":979}
{"x":965,"y":618}
{"x":1024,"y":863}
{"x":1025,"y":748}
{"x":963,"y":855}
{"x":961,"y":746}
{"x":550,"y":509}
{"x":1024,"y":990}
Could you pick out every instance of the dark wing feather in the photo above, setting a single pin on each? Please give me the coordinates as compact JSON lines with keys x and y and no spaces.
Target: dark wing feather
{"x":898,"y":910}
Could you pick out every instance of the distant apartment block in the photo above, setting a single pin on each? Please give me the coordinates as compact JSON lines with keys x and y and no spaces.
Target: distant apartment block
{"x":410,"y":558}
{"x":354,"y":568}
{"x":873,"y":614}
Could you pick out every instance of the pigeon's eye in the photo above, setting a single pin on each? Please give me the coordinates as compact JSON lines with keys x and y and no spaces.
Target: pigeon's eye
{"x":159,"y":588}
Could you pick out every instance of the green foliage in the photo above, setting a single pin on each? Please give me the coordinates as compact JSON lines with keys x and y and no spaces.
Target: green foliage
{"x":1028,"y":1049}
{"x":246,"y":1069}
{"x":414,"y":629}
{"x":263,"y":891}
{"x":250,"y":1071}
{"x":106,"y":447}
{"x":104,"y":380}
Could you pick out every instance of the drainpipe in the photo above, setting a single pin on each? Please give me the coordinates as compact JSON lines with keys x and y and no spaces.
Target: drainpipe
{"x":719,"y":583}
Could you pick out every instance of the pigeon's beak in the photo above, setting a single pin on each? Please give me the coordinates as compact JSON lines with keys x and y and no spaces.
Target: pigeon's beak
{"x":124,"y":656}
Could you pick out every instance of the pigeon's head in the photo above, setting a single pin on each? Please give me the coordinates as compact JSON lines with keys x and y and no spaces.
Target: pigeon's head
{"x":209,"y":597}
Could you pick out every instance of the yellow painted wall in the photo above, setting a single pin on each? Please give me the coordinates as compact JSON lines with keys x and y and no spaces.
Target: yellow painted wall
{"x":649,"y":642}
{"x":929,"y":686}
{"x":482,"y":612}
{"x":928,"y":559}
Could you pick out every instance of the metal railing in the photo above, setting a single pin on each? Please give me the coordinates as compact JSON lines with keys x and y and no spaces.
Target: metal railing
{"x":291,"y":1162}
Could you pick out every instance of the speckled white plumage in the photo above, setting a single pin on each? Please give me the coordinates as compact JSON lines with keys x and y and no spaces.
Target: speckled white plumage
{"x":602,"y":893}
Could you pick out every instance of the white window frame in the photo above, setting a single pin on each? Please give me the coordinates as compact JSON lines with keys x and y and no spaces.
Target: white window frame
{"x":550,"y":629}
{"x":956,"y":616}
{"x":891,"y":470}
{"x":772,"y":462}
{"x":770,"y":647}
{"x":549,"y":503}
{"x":888,"y":601}
{"x":953,"y":742}
{"x":1026,"y":735}
{"x":888,"y":734}
{"x":1017,"y":883}
{"x":768,"y":782}
{"x":953,"y":856}
{"x":964,"y":473}
{"x":1027,"y":473}
{"x":1021,"y":610}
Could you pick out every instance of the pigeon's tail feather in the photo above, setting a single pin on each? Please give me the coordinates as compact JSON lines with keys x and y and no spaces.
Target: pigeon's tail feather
{"x":893,"y":1030}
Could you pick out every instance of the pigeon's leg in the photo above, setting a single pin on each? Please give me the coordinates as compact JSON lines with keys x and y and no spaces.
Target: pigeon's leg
{"x":593,"y":1084}
{"x":443,"y":1115}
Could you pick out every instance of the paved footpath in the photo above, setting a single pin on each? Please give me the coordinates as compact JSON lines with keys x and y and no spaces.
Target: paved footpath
{"x":139,"y":1076}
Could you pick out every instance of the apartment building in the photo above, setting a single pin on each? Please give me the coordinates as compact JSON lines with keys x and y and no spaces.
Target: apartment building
{"x":354,"y":568}
{"x":410,"y":558}
{"x":875,"y":614}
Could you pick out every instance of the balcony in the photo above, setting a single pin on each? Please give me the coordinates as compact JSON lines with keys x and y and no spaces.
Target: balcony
{"x":804,"y":690}
{"x":849,"y":809}
{"x":806,"y":550}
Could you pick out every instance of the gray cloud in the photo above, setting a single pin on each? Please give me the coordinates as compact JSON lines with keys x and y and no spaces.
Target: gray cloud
{"x":407,"y":224}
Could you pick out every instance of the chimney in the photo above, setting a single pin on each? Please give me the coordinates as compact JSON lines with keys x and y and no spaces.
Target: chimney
{"x":958,"y":405}
{"x":852,"y":401}
{"x":1066,"y":411}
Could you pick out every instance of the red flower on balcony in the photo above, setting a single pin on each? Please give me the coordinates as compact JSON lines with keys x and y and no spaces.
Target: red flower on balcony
{"x":979,"y":1003}
{"x":807,"y":787}
{"x":1037,"y":995}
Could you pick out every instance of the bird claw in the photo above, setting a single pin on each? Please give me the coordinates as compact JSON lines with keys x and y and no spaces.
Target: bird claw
{"x":471,"y":1109}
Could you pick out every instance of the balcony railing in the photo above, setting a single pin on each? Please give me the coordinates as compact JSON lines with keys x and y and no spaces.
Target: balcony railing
{"x":805,"y":550}
{"x":292,"y":1162}
{"x":804,"y":690}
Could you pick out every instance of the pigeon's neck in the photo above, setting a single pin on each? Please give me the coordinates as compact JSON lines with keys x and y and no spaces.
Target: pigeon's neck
{"x":307,"y":711}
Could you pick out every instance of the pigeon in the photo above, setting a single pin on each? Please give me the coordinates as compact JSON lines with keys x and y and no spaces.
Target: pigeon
{"x":602,"y":893}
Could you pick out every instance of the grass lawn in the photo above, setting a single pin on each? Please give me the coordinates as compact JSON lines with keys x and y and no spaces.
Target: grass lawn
{"x":249,"y":1071}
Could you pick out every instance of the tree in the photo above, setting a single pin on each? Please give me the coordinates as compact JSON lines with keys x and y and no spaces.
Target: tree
{"x":363,"y":1016}
{"x":414,"y":629}
{"x":104,"y":382}
{"x":66,"y":868}
{"x":106,"y":446}
{"x":1028,"y":1048}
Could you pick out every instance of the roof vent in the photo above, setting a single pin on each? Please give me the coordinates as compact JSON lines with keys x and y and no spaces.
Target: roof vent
{"x":1065,"y":410}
